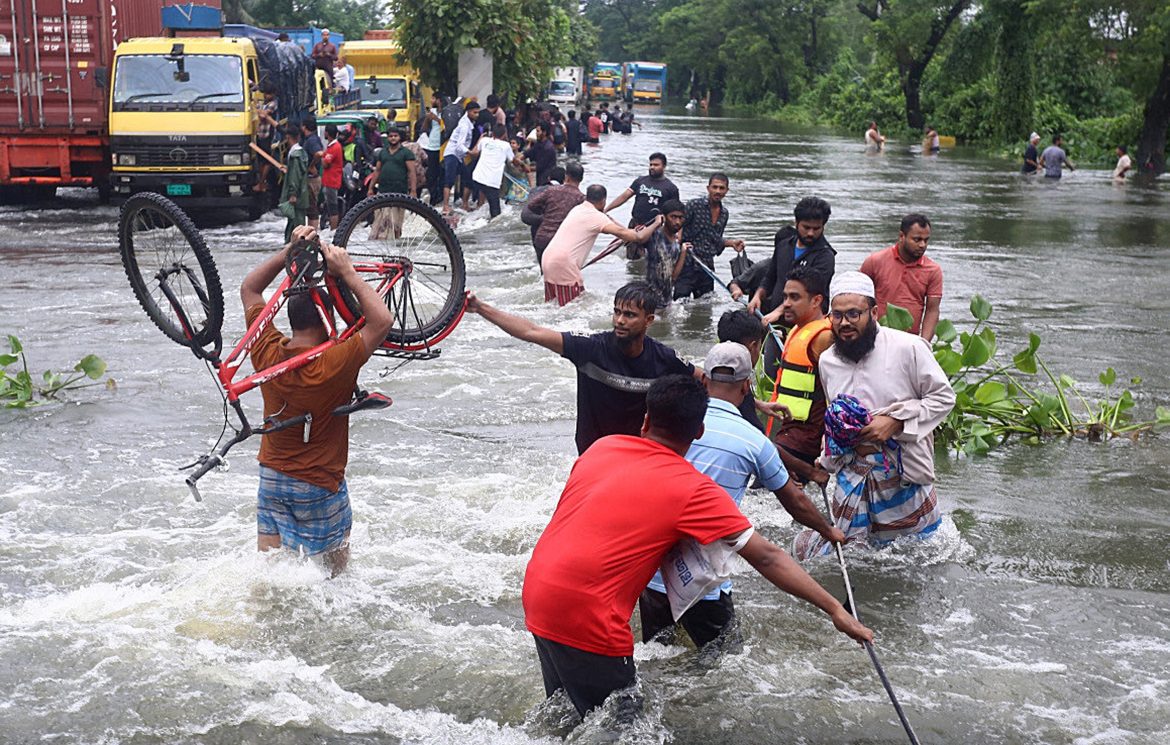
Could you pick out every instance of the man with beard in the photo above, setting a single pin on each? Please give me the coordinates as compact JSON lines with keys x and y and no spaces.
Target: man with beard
{"x":904,"y":275}
{"x":614,"y":368}
{"x":885,"y":469}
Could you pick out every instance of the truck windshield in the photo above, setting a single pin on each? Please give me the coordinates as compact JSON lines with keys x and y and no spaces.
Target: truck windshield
{"x":604,"y":83}
{"x":562,"y":88}
{"x":152,"y":82}
{"x":382,"y":93}
{"x":649,"y":86}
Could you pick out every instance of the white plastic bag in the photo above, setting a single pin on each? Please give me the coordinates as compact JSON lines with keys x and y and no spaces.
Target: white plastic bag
{"x":690,"y":570}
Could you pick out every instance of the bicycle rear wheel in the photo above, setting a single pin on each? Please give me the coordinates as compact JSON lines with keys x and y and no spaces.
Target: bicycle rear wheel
{"x":170,"y":269}
{"x":395,"y":228}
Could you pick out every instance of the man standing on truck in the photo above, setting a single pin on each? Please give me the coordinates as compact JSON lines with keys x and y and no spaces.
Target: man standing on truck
{"x":324,"y":54}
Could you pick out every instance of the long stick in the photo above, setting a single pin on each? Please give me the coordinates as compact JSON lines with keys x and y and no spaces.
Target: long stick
{"x":267,"y":157}
{"x":614,"y":245}
{"x":760,"y":315}
{"x":868,"y":645}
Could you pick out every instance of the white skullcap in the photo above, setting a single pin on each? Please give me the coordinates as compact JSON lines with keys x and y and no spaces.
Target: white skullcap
{"x":1033,"y":136}
{"x":851,"y":283}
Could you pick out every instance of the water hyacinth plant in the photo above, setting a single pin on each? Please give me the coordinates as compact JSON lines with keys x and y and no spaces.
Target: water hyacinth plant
{"x":19,"y":389}
{"x":997,"y":400}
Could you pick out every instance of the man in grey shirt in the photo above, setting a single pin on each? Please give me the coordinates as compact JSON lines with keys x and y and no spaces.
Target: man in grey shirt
{"x":1053,"y":158}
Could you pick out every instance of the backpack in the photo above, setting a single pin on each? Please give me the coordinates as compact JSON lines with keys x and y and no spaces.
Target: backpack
{"x":450,"y":116}
{"x":583,"y":130}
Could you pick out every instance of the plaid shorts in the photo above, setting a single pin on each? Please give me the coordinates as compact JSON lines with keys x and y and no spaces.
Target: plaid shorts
{"x":304,"y":515}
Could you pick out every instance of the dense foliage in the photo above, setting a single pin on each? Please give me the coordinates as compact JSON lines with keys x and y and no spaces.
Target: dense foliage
{"x":526,"y":38}
{"x":1095,"y":71}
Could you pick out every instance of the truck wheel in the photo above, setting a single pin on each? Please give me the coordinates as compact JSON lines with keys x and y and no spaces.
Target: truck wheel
{"x":256,"y":207}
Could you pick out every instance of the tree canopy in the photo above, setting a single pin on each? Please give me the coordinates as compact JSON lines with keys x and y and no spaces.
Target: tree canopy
{"x":1095,"y":71}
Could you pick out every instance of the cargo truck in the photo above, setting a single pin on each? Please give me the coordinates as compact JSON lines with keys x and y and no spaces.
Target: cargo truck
{"x":567,"y":88}
{"x":55,"y":63}
{"x":645,"y":82}
{"x":385,"y":82}
{"x":183,"y":115}
{"x":605,"y":84}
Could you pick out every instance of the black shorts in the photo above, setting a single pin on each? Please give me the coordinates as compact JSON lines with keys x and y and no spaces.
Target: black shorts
{"x":692,"y":282}
{"x":586,"y":677}
{"x":705,"y":621}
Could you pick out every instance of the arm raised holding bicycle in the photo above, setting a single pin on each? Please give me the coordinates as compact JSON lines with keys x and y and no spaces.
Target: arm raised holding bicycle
{"x":377,"y":314}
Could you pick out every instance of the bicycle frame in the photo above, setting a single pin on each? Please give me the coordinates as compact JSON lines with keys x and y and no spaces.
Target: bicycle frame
{"x":230,"y":366}
{"x":390,"y":273}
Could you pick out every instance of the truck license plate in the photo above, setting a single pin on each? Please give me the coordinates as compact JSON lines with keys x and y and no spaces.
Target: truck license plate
{"x":178,"y":190}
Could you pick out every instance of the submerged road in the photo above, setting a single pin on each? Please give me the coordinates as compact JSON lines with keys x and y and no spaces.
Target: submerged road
{"x":130,"y":614}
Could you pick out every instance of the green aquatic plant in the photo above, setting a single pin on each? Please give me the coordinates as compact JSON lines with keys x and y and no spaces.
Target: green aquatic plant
{"x":1023,"y":398}
{"x":996,"y":400}
{"x":19,"y":389}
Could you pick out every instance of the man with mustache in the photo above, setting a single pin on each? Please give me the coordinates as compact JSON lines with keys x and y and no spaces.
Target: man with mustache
{"x":885,"y":477}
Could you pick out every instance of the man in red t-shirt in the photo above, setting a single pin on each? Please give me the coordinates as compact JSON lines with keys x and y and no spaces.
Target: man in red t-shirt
{"x":627,"y":502}
{"x":903,"y":275}
{"x":334,"y":161}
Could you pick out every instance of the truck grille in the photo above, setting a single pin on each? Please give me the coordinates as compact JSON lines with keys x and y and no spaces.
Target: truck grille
{"x":187,"y":154}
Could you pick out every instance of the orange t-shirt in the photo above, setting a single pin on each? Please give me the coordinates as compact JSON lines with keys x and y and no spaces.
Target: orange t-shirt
{"x":905,"y":285}
{"x":319,"y":387}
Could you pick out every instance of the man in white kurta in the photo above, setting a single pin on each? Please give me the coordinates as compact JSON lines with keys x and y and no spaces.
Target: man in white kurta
{"x":885,"y":478}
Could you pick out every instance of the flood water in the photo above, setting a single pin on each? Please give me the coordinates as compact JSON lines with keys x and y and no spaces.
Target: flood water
{"x":131,"y":614}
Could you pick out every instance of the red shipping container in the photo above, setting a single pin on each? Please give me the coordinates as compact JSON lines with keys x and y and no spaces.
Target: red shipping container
{"x":55,"y":59}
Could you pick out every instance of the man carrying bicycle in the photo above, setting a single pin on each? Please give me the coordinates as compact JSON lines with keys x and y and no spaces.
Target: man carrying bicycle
{"x":303,"y":501}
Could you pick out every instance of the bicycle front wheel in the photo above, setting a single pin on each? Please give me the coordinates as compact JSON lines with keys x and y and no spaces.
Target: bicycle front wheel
{"x":397,"y":229}
{"x":170,"y":269}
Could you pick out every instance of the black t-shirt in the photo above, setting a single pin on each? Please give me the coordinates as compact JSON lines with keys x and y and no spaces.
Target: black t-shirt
{"x":649,"y":194}
{"x":617,"y":405}
{"x":543,"y":155}
{"x":1030,"y":154}
{"x":747,"y":409}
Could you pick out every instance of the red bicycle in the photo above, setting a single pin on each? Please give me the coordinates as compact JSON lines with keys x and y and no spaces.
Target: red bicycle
{"x":400,"y":245}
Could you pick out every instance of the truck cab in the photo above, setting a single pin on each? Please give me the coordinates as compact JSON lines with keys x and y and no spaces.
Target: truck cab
{"x":182,"y":119}
{"x":385,"y":82}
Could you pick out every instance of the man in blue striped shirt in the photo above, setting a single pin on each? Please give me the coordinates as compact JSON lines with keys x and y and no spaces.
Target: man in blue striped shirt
{"x":731,"y":451}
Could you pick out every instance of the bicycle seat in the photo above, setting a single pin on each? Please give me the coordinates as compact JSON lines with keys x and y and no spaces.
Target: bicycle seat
{"x":363,"y":401}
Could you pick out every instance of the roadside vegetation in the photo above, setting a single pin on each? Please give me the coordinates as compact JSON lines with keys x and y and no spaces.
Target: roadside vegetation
{"x":1095,"y":71}
{"x":20,"y":389}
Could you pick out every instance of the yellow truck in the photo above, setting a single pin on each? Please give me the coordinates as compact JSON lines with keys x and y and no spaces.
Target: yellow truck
{"x":183,"y":115}
{"x":385,"y":83}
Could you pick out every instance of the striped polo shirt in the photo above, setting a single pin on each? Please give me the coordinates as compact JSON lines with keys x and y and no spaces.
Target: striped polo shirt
{"x":732,"y":451}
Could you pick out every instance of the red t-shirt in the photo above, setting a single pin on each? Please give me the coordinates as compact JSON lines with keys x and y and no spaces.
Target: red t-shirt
{"x":334,"y":160}
{"x":904,"y":285}
{"x":627,"y":502}
{"x":595,"y":127}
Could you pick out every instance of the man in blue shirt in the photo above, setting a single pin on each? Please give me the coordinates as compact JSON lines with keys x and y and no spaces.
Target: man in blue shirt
{"x":731,"y":451}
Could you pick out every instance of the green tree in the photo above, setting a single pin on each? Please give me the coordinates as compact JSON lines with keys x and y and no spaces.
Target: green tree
{"x":350,"y":18}
{"x":524,"y":37}
{"x":910,"y":32}
{"x":1014,"y":70}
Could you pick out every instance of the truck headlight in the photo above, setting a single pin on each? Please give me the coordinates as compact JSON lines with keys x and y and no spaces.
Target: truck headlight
{"x":232,"y":159}
{"x":125,"y":160}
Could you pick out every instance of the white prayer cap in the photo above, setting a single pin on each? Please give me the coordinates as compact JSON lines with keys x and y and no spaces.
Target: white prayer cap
{"x":851,"y":283}
{"x":1033,"y":136}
